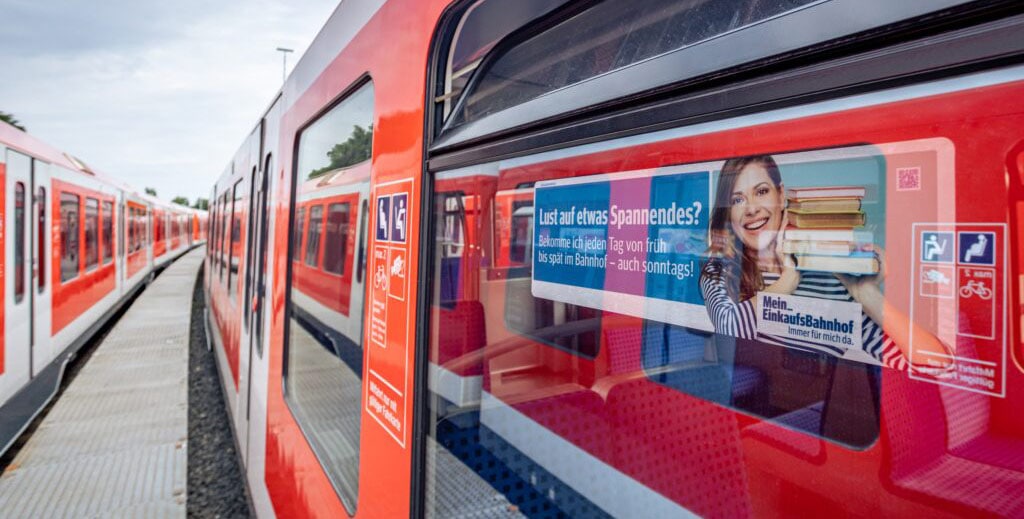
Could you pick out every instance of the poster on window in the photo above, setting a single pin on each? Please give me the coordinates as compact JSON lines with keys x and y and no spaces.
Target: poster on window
{"x":791,"y":249}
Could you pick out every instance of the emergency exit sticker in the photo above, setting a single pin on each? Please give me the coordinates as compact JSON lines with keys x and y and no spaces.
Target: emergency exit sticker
{"x":959,"y":294}
{"x":387,"y":354}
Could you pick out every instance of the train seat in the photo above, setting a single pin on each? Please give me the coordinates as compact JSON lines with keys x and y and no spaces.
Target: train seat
{"x":938,"y":445}
{"x":684,"y":448}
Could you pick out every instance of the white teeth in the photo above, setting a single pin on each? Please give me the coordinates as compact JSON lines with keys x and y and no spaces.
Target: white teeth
{"x":753,"y":226}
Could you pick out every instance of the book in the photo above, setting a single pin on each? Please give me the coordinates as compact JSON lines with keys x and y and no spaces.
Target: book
{"x":835,"y":234}
{"x":822,"y":248}
{"x":826,"y":220}
{"x":806,"y":193}
{"x":824,"y":205}
{"x":858,"y":263}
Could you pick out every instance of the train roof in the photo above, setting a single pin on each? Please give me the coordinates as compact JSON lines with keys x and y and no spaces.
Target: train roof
{"x":23,"y":142}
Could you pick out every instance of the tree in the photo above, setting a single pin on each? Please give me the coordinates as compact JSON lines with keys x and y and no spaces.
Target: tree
{"x":180,"y":200}
{"x":11,"y":120}
{"x":150,"y":191}
{"x":201,"y":203}
{"x":353,"y":151}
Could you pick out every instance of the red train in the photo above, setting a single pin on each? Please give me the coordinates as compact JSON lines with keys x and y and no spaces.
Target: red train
{"x":76,"y":246}
{"x":644,"y":259}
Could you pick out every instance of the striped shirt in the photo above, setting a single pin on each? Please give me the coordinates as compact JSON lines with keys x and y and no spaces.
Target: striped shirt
{"x":739,"y":319}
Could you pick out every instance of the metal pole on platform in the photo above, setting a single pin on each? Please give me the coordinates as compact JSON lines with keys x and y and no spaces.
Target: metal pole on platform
{"x":284,"y":61}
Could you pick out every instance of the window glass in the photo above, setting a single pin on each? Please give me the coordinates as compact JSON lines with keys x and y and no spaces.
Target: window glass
{"x":19,"y":241}
{"x":69,"y":246}
{"x":339,"y":139}
{"x":609,"y":36}
{"x":42,"y":232}
{"x":316,"y":223}
{"x":324,"y":341}
{"x":587,"y":315}
{"x":225,"y":231}
{"x":235,"y":248}
{"x":484,"y":24}
{"x":300,"y":220}
{"x":336,"y":242}
{"x":364,"y":216}
{"x":108,"y":232}
{"x":132,"y":224}
{"x":92,"y":228}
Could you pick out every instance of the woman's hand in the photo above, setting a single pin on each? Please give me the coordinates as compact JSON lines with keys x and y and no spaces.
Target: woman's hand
{"x":789,"y":276}
{"x":867,"y":290}
{"x":785,"y":261}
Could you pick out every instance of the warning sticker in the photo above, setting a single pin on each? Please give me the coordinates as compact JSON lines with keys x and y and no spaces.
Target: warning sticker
{"x":388,"y":354}
{"x":960,"y":296}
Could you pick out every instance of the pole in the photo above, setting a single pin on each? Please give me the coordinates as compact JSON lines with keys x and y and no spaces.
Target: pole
{"x":284,"y":62}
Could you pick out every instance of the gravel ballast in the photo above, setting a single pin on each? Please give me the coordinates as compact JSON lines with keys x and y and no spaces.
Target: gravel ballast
{"x":216,"y":487}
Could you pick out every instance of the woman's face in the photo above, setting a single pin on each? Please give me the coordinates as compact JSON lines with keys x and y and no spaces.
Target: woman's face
{"x":757,"y":205}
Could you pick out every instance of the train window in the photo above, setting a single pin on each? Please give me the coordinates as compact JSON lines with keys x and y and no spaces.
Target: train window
{"x":69,"y":234}
{"x":313,"y":235}
{"x":108,"y":232}
{"x":42,"y":231}
{"x":341,"y":138}
{"x":92,"y":229}
{"x":336,"y":241}
{"x":235,"y":249}
{"x":484,"y":24}
{"x":19,"y":241}
{"x":324,"y":342}
{"x":132,"y":224}
{"x":225,"y":233}
{"x":300,"y":226}
{"x":607,"y":37}
{"x":364,"y":216}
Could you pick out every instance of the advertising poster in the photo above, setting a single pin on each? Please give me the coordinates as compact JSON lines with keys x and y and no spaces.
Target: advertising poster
{"x":787,"y":249}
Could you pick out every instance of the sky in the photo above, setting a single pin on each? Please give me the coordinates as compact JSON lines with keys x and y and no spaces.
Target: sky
{"x":156,"y":94}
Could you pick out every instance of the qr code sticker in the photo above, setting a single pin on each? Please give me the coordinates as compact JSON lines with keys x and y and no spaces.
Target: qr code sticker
{"x":908,"y":179}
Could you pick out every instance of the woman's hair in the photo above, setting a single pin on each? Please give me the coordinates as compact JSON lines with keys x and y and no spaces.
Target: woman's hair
{"x":728,"y":257}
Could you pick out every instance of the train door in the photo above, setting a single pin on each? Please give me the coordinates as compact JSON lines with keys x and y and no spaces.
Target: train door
{"x":18,"y":267}
{"x":40,"y":245}
{"x":255,"y":278}
{"x":122,"y":267}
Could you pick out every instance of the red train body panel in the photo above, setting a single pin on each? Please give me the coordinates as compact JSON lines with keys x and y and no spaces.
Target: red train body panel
{"x":76,"y":247}
{"x":397,"y":338}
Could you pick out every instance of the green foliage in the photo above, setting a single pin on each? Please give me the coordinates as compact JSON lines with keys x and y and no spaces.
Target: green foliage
{"x":201,"y":203}
{"x":10,"y":119}
{"x":353,"y":151}
{"x":150,"y":191}
{"x":180,"y":200}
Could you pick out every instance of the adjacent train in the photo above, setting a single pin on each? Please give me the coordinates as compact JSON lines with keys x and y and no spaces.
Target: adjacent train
{"x":76,"y":246}
{"x":559,"y":258}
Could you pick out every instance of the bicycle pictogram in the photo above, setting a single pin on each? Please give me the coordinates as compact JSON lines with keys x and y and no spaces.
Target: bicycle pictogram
{"x":977,"y":288}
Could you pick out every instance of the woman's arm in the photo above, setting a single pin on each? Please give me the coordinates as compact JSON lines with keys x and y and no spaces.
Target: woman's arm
{"x":729,"y":317}
{"x":897,"y":325}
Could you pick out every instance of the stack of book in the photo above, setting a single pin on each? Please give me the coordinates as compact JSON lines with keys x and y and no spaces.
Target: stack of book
{"x":823,"y":230}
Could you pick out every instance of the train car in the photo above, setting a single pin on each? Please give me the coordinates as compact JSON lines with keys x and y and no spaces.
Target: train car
{"x":632,"y":259}
{"x":76,"y":247}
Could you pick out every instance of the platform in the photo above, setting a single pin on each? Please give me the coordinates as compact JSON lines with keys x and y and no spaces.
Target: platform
{"x":115,"y":443}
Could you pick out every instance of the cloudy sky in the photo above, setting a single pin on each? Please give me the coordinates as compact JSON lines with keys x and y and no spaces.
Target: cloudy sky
{"x":158,"y":94}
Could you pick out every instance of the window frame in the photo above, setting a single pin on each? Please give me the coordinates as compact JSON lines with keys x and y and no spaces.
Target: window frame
{"x":66,"y":200}
{"x":106,"y":235}
{"x":20,"y":235}
{"x":314,"y":237}
{"x":341,"y":235}
{"x":365,"y":80}
{"x":818,"y":31}
{"x":42,"y":231}
{"x":972,"y":37}
{"x":89,"y":267}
